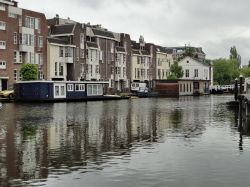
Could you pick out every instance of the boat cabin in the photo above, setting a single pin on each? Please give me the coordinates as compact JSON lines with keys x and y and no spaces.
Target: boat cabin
{"x":58,"y":90}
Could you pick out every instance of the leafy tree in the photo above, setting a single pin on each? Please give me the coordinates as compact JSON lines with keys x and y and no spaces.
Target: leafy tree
{"x":249,"y":63}
{"x":189,"y":51}
{"x":245,"y":71}
{"x":176,"y":71}
{"x":29,"y":72}
{"x":171,"y":77}
{"x":235,"y":56}
{"x":225,"y":71}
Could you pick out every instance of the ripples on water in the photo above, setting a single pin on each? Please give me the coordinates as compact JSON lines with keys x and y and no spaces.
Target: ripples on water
{"x":189,"y":141}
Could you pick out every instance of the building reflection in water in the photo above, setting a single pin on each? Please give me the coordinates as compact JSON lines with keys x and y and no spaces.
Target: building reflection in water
{"x":48,"y":140}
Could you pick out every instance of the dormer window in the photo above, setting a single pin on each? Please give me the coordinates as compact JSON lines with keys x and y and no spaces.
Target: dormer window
{"x":187,"y":61}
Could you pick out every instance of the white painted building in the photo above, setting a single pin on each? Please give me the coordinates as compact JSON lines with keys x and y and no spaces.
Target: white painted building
{"x":197,"y":77}
{"x":121,"y":80}
{"x":92,"y":62}
{"x":59,"y":55}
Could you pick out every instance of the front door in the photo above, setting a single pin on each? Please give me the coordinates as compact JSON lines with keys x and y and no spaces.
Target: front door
{"x":3,"y":84}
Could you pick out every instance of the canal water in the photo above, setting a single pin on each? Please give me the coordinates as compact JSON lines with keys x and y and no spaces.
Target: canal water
{"x":189,"y":141}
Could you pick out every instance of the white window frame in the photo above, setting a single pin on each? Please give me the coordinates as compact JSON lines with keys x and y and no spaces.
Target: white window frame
{"x":15,"y":37}
{"x":70,"y":87}
{"x":15,"y":74}
{"x":12,"y":15}
{"x":2,"y":7}
{"x":2,"y":64}
{"x":94,"y":92}
{"x":60,"y":94}
{"x":79,"y":87}
{"x":2,"y":25}
{"x":40,"y":41}
{"x":2,"y":44}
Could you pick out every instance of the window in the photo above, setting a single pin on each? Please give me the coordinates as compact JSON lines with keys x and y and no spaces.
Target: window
{"x":2,"y":64}
{"x":77,"y":53}
{"x":15,"y":56}
{"x":2,"y":45}
{"x":82,"y":69}
{"x":97,"y":69}
{"x":94,"y":89}
{"x":12,"y":15}
{"x":61,"y":52}
{"x":81,"y":53}
{"x":180,"y":87}
{"x":30,"y":22}
{"x":101,"y":55}
{"x":117,"y":70}
{"x":20,"y":57}
{"x":40,"y":75}
{"x":79,"y":87}
{"x":15,"y":74}
{"x":59,"y":90}
{"x":56,"y":68}
{"x":37,"y":24}
{"x":70,"y":87}
{"x":15,"y":37}
{"x":206,"y":73}
{"x":60,"y":69}
{"x":124,"y":71}
{"x":40,"y":41}
{"x":2,"y":6}
{"x":187,"y":73}
{"x":68,"y":52}
{"x":40,"y":58}
{"x":196,"y":73}
{"x":2,"y":25}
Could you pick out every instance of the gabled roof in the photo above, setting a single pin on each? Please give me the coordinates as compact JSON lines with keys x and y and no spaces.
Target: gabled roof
{"x":120,"y":49}
{"x":103,"y":33}
{"x":197,"y":60}
{"x":62,"y":29}
{"x":92,"y":45}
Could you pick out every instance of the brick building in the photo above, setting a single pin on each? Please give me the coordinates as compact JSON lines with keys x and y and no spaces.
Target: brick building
{"x":23,"y":36}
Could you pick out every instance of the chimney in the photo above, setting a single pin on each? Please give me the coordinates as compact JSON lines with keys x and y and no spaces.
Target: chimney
{"x":57,"y":19}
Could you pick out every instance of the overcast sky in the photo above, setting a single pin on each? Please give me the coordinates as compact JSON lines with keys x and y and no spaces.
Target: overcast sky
{"x":215,"y":25}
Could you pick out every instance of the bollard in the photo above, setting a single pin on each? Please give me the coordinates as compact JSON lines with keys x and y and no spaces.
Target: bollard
{"x":236,"y":89}
{"x":241,"y":84}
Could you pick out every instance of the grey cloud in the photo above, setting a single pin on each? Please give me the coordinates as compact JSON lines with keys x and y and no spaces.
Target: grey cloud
{"x":215,"y":25}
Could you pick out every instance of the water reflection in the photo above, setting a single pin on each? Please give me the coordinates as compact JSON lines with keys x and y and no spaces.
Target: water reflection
{"x":48,"y":140}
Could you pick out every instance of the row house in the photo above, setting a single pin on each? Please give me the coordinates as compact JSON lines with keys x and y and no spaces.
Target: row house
{"x":66,"y":49}
{"x":163,"y":63}
{"x":142,"y":67}
{"x":107,"y":57}
{"x":23,"y":36}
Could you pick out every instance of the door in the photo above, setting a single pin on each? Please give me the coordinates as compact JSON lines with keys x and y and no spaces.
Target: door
{"x":4,"y":84}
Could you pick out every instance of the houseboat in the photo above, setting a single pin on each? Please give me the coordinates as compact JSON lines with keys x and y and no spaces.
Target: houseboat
{"x":60,"y":91}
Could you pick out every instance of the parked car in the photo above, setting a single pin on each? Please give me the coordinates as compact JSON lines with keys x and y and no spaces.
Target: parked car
{"x":7,"y":94}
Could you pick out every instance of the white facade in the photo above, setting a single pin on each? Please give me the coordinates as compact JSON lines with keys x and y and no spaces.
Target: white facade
{"x":58,"y":57}
{"x":92,"y":64}
{"x":163,"y":63}
{"x":197,"y":77}
{"x":121,"y":70}
{"x":140,"y":67}
{"x":195,"y":70}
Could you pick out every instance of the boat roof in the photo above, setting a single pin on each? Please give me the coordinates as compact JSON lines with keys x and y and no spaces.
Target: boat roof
{"x":65,"y":82}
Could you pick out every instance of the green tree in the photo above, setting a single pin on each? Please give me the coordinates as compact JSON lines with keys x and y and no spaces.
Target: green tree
{"x":175,"y":71}
{"x":225,"y":71}
{"x":235,"y":56}
{"x":245,"y":71}
{"x":29,"y":72}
